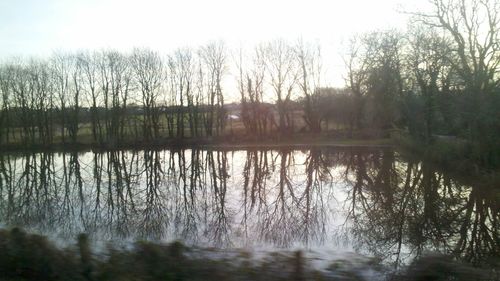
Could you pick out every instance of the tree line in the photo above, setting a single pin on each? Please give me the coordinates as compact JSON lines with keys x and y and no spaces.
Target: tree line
{"x":438,"y":78}
{"x":115,"y":97}
{"x":138,"y":95}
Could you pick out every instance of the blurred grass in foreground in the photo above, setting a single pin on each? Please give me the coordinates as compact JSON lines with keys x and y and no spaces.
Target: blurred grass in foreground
{"x":32,"y":257}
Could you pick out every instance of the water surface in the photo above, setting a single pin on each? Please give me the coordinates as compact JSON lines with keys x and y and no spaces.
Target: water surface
{"x":374,"y":202}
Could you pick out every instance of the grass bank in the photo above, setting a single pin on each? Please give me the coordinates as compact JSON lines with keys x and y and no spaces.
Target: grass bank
{"x":220,"y":143}
{"x":32,"y":257}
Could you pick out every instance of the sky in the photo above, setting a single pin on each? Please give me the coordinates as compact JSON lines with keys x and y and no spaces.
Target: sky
{"x":40,"y":27}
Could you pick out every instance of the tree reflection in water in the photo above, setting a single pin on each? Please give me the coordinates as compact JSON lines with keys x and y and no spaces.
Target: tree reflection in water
{"x":401,"y":209}
{"x":385,"y":205}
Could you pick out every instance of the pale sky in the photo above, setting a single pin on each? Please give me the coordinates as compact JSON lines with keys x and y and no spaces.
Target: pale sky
{"x":38,"y":27}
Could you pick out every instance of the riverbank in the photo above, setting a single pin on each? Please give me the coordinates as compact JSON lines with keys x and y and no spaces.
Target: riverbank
{"x":32,"y":257}
{"x":451,"y":155}
{"x":444,"y":154}
{"x":222,"y":143}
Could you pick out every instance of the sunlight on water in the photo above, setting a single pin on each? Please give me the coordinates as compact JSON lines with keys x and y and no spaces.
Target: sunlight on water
{"x":331,"y":202}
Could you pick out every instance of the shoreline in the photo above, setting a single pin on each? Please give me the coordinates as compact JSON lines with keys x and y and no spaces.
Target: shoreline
{"x":458,"y":167}
{"x":216,"y":144}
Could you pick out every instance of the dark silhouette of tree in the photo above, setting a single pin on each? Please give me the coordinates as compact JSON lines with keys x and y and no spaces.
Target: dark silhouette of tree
{"x":148,"y":69}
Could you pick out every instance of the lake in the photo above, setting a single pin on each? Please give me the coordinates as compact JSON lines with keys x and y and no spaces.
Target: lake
{"x":369,"y":201}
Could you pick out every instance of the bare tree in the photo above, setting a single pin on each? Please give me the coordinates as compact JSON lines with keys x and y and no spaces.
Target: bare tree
{"x":428,"y":64}
{"x":376,"y":78}
{"x":181,"y":84}
{"x":149,"y":75}
{"x":357,"y":71}
{"x":473,"y":27}
{"x":61,"y":65}
{"x":89,"y":62}
{"x":76,"y":94}
{"x":282,"y":71}
{"x":251,"y":87}
{"x":7,"y":101}
{"x":213,"y":56}
{"x":44,"y":101}
{"x":309,"y":59}
{"x":114,"y":82}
